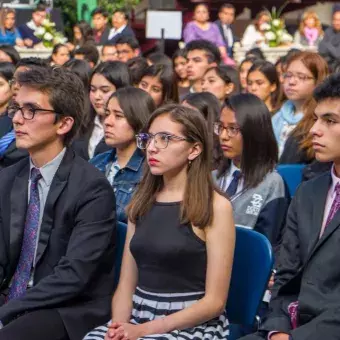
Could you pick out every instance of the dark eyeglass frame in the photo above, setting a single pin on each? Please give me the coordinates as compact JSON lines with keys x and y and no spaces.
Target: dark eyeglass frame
{"x":232,"y":131}
{"x":151,"y":136}
{"x":33,"y":111}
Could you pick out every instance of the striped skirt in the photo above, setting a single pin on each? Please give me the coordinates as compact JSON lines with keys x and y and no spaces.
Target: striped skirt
{"x":149,"y":306}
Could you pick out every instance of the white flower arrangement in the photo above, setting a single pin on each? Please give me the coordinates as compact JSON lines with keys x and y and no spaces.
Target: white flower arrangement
{"x":48,"y":34}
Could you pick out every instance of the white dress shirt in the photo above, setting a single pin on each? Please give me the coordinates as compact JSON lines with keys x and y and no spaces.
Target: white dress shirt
{"x":96,"y":136}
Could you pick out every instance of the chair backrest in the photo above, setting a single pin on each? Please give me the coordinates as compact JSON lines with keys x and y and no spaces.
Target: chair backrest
{"x":253,"y":262}
{"x":292,"y":175}
{"x":121,"y":235}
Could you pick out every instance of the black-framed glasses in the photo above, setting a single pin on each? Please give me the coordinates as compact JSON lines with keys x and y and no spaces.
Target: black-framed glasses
{"x":161,"y":139}
{"x":232,"y":131}
{"x":299,"y":76}
{"x":27,"y":112}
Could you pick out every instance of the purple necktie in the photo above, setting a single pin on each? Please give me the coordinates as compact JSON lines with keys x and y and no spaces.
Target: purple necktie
{"x":335,"y":206}
{"x":23,"y":271}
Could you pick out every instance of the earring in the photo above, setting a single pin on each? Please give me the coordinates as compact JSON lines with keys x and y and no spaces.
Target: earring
{"x":190,"y":163}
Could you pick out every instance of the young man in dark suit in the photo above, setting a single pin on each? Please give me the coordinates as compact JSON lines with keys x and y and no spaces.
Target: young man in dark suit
{"x":101,"y":29}
{"x":57,"y":218}
{"x":120,"y":27}
{"x":226,"y":17}
{"x":305,"y":301}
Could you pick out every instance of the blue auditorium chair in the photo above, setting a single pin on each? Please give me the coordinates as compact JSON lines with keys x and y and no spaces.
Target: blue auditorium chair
{"x":292,"y":175}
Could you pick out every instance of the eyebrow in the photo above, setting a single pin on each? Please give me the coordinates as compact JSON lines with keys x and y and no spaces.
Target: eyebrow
{"x":327,"y":115}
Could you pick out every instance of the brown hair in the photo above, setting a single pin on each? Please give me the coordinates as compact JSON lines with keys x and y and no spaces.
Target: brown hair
{"x":4,"y":11}
{"x":319,"y":68}
{"x":310,"y":14}
{"x":258,"y":17}
{"x":199,"y":187}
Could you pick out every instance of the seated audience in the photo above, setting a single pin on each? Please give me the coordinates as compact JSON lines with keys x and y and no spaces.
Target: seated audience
{"x":9,"y":54}
{"x":106,"y":79}
{"x":6,"y":78}
{"x":208,"y":105}
{"x":27,"y":31}
{"x":247,"y":174}
{"x":244,"y":68}
{"x":305,"y":297}
{"x":310,"y":32}
{"x":263,"y":81}
{"x":171,"y":284}
{"x":329,"y":46}
{"x":304,"y":72}
{"x":82,"y":35}
{"x":159,"y":82}
{"x":179,"y":62}
{"x":89,"y":53}
{"x":123,"y":164}
{"x":101,"y":29}
{"x":9,"y":34}
{"x":120,"y":27}
{"x":254,"y":33}
{"x":137,"y":67}
{"x":109,"y":53}
{"x":201,"y":55}
{"x":226,"y":18}
{"x":127,"y":48}
{"x":60,"y":55}
{"x":202,"y":29}
{"x":158,"y":58}
{"x":46,"y":274}
{"x":217,"y":81}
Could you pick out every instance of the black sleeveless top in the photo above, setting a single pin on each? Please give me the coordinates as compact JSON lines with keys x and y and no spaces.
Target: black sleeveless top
{"x":170,"y":257}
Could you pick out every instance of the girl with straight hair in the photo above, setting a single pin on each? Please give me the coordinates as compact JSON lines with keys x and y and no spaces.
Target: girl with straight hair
{"x":247,"y":173}
{"x":160,"y":82}
{"x":263,"y":81}
{"x":179,"y":60}
{"x":123,"y":164}
{"x":106,"y":79}
{"x":178,"y":255}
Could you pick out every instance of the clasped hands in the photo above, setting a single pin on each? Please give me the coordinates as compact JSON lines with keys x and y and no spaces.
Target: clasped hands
{"x":123,"y":331}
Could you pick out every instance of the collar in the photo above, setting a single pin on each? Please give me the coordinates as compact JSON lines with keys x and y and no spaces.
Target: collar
{"x":32,"y":25}
{"x":98,"y":123}
{"x":119,"y":30}
{"x":134,"y":163}
{"x":335,"y":180}
{"x":49,"y":170}
{"x":233,"y":168}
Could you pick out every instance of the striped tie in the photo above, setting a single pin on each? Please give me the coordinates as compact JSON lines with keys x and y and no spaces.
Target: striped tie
{"x":5,"y":142}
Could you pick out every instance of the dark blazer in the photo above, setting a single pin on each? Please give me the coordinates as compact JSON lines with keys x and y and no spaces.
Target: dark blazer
{"x":235,"y":38}
{"x":12,"y":154}
{"x":74,"y":269}
{"x":292,"y":154}
{"x":308,"y":268}
{"x":104,"y":37}
{"x":126,"y":32}
{"x":28,"y":33}
{"x":81,"y":146}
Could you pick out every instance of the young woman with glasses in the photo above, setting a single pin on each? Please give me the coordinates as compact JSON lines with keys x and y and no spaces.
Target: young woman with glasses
{"x":247,"y":173}
{"x":304,"y":71}
{"x":178,"y":255}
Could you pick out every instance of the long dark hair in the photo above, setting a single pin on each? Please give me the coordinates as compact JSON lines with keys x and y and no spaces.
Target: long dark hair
{"x":269,"y":71}
{"x":167,"y":78}
{"x":199,"y":187}
{"x":260,"y":151}
{"x":86,"y":34}
{"x":209,"y":106}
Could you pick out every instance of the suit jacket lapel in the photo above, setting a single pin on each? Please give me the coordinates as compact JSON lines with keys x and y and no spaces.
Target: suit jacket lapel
{"x":19,"y":201}
{"x":57,"y":186}
{"x":320,"y":193}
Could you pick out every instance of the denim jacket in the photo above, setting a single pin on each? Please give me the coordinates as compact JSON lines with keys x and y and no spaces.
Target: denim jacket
{"x":125,"y":181}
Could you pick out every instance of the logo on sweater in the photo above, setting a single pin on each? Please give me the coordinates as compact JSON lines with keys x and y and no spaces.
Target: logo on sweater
{"x":256,"y":204}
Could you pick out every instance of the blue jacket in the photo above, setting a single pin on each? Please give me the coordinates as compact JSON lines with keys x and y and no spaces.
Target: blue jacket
{"x":125,"y":181}
{"x":9,"y":38}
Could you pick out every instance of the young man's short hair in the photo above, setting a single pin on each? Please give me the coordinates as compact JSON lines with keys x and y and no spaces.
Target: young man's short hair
{"x":100,"y":10}
{"x":329,"y":89}
{"x":31,"y":62}
{"x":131,"y":41}
{"x":211,"y":50}
{"x":65,"y":91}
{"x":122,"y":11}
{"x":227,"y":5}
{"x":90,"y":53}
{"x":41,"y":7}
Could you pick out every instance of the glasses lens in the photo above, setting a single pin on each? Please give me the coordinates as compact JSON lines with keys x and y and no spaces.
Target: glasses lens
{"x":161,"y":140}
{"x":142,"y":140}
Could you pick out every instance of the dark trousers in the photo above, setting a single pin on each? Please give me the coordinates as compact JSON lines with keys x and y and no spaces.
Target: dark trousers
{"x":39,"y":325}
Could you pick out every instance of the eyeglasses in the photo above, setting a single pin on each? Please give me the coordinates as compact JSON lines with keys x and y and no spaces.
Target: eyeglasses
{"x":161,"y":139}
{"x":12,"y":82}
{"x":232,"y":131}
{"x":27,"y":112}
{"x":300,"y":77}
